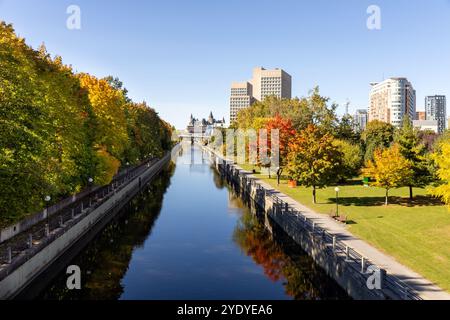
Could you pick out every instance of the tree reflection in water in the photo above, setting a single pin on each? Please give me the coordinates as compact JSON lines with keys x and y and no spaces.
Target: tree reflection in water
{"x":282,"y":259}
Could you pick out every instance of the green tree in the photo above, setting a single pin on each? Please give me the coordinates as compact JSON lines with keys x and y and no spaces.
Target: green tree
{"x":346,"y":130}
{"x":413,"y":150}
{"x":377,"y":135}
{"x":352,"y":159}
{"x":313,"y":159}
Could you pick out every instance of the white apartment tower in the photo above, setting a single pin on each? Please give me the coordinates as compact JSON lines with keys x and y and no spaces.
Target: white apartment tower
{"x":264,"y":83}
{"x":391,"y":100}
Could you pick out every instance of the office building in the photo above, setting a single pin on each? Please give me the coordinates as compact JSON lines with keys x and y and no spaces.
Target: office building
{"x":275,"y":82}
{"x":241,"y":97}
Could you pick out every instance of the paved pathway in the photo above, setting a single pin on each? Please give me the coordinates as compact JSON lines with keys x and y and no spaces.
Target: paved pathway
{"x":425,"y":288}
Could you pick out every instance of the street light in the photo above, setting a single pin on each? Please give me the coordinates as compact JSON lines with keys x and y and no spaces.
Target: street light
{"x":47,"y":200}
{"x":337,"y":201}
{"x":90,"y":180}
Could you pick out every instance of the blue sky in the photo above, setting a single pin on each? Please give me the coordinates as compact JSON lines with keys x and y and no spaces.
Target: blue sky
{"x":181,"y":56}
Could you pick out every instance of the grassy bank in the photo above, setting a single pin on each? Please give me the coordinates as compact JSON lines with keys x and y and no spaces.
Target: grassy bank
{"x":417,"y":234}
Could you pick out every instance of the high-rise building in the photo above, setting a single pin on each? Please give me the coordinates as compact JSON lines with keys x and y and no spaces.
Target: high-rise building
{"x":436,"y":109}
{"x":391,"y":100}
{"x":275,"y":82}
{"x":360,"y":119}
{"x":264,"y":83}
{"x":241,"y":97}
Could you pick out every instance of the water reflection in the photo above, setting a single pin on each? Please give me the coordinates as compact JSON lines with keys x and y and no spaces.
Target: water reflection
{"x":282,"y":259}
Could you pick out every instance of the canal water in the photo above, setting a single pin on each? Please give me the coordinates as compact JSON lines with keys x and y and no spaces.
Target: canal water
{"x":187,"y":235}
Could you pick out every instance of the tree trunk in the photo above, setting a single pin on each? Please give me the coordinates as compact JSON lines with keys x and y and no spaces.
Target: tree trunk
{"x":314,"y":194}
{"x":387,"y":197}
{"x":411,"y":193}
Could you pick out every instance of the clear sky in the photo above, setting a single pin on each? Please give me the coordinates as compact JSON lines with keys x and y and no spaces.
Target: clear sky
{"x":181,"y":56}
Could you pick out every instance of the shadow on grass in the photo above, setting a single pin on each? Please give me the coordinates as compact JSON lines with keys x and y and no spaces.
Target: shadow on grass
{"x":418,"y":201}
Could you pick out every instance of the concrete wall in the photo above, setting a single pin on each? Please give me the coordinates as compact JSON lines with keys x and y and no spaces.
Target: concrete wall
{"x":17,"y":276}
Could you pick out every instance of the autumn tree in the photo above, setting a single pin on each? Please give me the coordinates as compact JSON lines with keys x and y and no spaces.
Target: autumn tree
{"x":313,"y":159}
{"x":442,"y":160}
{"x":314,"y":109}
{"x":58,"y":129}
{"x":389,"y":169}
{"x":285,"y":134}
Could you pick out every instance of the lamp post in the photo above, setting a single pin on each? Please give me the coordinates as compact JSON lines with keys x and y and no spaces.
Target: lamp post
{"x":278,"y":175}
{"x":337,"y":201}
{"x":90,"y":180}
{"x":47,"y":200}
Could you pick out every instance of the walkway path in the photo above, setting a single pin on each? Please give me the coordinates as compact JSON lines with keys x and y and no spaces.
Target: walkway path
{"x":426,"y":289}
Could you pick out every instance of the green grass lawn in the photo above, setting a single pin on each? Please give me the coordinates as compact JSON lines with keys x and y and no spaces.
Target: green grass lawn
{"x":416,"y":234}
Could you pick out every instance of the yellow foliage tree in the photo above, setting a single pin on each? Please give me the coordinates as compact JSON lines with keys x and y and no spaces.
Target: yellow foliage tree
{"x":442,"y":160}
{"x":107,"y":167}
{"x":389,"y":169}
{"x":108,"y":105}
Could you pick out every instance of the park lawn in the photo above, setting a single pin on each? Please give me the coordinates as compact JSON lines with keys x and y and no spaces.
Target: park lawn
{"x":417,"y":235}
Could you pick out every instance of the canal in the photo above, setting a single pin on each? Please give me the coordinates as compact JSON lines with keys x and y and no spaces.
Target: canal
{"x":187,"y":235}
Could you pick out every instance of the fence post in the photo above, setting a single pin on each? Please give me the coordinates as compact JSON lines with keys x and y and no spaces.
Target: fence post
{"x":347,"y":253}
{"x":334,"y":243}
{"x":47,"y":230}
{"x":9,"y":251}
{"x":81,"y":206}
{"x":363,"y":264}
{"x":406,"y":293}
{"x":382,"y":277}
{"x":30,"y":240}
{"x":286,"y":207}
